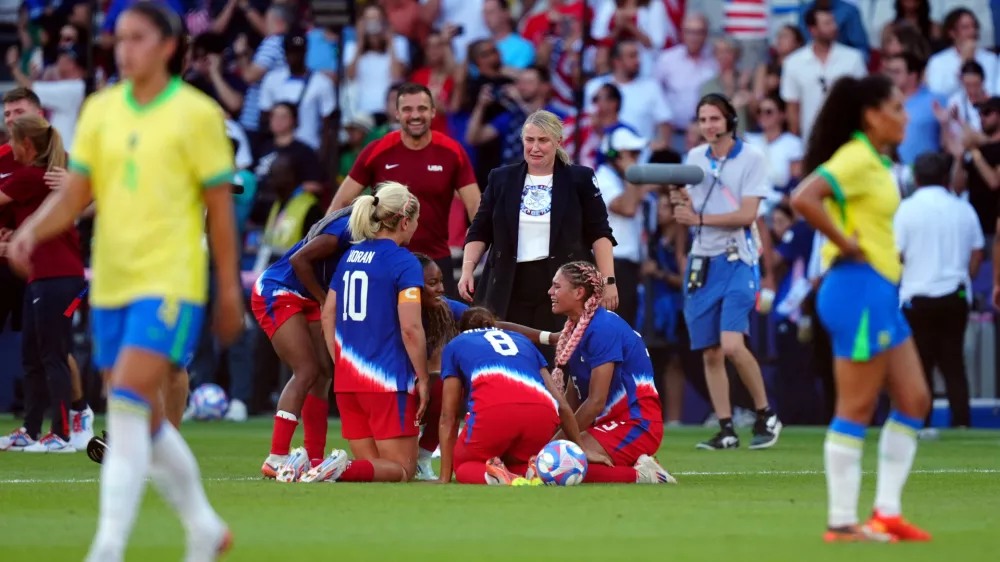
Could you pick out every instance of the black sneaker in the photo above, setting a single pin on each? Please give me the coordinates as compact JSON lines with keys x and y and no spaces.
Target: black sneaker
{"x":765,"y":432}
{"x":97,"y":447}
{"x":722,"y":440}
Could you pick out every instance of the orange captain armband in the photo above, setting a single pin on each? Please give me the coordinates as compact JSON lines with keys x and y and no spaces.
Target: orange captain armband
{"x":410,"y":295}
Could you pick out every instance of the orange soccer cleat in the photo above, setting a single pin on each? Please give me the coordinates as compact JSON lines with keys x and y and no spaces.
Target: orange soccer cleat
{"x":497,"y":473}
{"x":857,"y":533}
{"x":898,"y":527}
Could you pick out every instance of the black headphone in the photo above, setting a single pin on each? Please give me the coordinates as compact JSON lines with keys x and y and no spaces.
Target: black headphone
{"x":729,"y":112}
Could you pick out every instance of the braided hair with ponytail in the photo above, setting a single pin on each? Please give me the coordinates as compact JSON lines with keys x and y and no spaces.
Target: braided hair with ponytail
{"x":579,"y":274}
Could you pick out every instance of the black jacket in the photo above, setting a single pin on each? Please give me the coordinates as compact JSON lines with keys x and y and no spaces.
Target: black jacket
{"x":579,"y":218}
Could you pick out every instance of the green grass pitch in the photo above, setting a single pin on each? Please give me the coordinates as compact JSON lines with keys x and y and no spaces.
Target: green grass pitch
{"x":763,"y":505}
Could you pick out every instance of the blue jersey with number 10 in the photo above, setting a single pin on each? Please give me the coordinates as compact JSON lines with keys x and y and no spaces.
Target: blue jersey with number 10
{"x":497,"y":367}
{"x":370,"y":281}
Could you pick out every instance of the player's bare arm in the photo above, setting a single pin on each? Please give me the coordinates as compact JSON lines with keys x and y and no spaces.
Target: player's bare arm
{"x":415,"y":342}
{"x":451,"y":410}
{"x":328,"y":319}
{"x":568,"y":420}
{"x":54,"y":217}
{"x":301,"y":261}
{"x":221,"y":227}
{"x":600,"y":383}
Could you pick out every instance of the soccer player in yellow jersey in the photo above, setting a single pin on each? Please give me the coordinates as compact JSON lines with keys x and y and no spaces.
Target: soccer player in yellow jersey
{"x":153,"y":153}
{"x":850,"y":196}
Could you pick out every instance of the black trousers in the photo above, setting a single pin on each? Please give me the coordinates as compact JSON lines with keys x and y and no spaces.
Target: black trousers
{"x":627,"y":281}
{"x":938,"y":326}
{"x":46,"y":342}
{"x":530,"y":304}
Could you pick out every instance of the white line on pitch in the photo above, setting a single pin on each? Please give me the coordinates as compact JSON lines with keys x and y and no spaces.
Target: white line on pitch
{"x":687,"y":473}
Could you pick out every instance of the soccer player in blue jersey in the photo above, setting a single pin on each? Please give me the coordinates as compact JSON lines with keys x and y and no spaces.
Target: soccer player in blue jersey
{"x":152,"y":153}
{"x":613,"y":379}
{"x":440,"y":318}
{"x":513,"y":406}
{"x":373,"y":330}
{"x":287,"y":300}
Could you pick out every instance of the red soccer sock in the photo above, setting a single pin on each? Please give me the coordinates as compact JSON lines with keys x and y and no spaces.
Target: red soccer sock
{"x":430,"y":440}
{"x":471,"y":473}
{"x":281,"y":437}
{"x":358,"y":471}
{"x":315,"y":412}
{"x":601,"y":474}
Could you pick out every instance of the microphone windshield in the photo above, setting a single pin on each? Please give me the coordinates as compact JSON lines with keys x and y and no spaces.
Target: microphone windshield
{"x":678,"y":174}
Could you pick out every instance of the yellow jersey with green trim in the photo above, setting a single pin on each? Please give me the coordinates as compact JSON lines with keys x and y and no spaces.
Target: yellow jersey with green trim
{"x":148,"y":166}
{"x":865,"y":199}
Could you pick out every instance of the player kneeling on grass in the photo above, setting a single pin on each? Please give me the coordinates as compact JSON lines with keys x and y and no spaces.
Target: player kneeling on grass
{"x":514,"y":408}
{"x":612,"y":377}
{"x":371,"y":322}
{"x":440,"y":316}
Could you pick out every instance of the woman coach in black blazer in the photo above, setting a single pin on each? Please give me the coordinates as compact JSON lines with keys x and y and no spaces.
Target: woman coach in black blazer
{"x":534,"y":217}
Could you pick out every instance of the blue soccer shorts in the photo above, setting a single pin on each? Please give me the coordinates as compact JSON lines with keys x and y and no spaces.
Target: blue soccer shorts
{"x":860,"y":309}
{"x":722,"y":304}
{"x":167,"y":327}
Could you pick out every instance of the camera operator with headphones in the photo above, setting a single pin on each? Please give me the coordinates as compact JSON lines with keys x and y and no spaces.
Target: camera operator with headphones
{"x":723,"y":272}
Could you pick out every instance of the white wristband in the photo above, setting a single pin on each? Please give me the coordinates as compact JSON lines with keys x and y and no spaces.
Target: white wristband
{"x":545,"y":337}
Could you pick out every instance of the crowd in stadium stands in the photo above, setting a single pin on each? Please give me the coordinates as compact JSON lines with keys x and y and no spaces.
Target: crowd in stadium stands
{"x":641,"y":65}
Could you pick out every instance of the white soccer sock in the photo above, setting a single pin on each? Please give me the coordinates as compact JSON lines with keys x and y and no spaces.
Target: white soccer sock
{"x":842,"y":460}
{"x":176,"y":476}
{"x":123,"y":475}
{"x":896,"y":449}
{"x":424,"y":454}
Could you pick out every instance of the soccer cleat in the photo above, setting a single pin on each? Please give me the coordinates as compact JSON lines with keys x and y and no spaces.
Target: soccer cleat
{"x":237,"y":412}
{"x":532,"y":472}
{"x":650,"y":472}
{"x":766,"y":432}
{"x":721,"y":440}
{"x":51,"y":443}
{"x":329,"y":470}
{"x":425,"y":469}
{"x":296,"y":463}
{"x":83,"y":428}
{"x":898,"y":527}
{"x":497,"y":474}
{"x":272,"y":464}
{"x":17,"y":440}
{"x":97,"y":447}
{"x":856,"y":533}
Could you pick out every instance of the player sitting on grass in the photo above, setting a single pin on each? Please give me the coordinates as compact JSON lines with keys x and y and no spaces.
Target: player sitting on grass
{"x":440,"y":316}
{"x":513,"y":406}
{"x":613,"y":380}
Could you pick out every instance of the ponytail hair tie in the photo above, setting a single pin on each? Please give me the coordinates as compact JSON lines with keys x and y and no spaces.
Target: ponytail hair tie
{"x":375,"y":200}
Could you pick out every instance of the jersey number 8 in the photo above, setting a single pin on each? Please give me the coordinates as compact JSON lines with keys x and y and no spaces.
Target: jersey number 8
{"x":355,"y":295}
{"x":501,"y":342}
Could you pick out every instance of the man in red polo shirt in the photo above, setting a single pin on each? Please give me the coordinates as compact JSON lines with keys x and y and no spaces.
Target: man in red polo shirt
{"x":430,"y":164}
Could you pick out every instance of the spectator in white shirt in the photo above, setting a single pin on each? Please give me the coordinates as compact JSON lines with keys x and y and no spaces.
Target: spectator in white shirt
{"x":962,"y":28}
{"x":784,"y":150}
{"x":810,"y":72}
{"x":311,"y":93}
{"x":621,"y":149}
{"x":963,"y":105}
{"x":643,"y":106}
{"x":681,"y":70}
{"x":941,"y":243}
{"x":374,"y":61}
{"x":61,"y":98}
{"x":270,"y":54}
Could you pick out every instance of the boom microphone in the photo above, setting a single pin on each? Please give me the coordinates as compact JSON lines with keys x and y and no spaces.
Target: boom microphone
{"x":675,"y":174}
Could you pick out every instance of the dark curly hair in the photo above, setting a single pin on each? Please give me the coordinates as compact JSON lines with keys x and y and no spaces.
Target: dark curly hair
{"x":439,"y":322}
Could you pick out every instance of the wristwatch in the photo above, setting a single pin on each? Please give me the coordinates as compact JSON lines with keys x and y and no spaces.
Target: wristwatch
{"x":609,"y":280}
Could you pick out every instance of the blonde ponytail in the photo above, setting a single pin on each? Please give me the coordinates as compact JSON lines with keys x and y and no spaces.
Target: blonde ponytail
{"x":44,"y":138}
{"x":390,"y":204}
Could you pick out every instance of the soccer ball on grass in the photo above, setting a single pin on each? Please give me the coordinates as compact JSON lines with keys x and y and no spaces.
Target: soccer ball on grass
{"x":561,"y":463}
